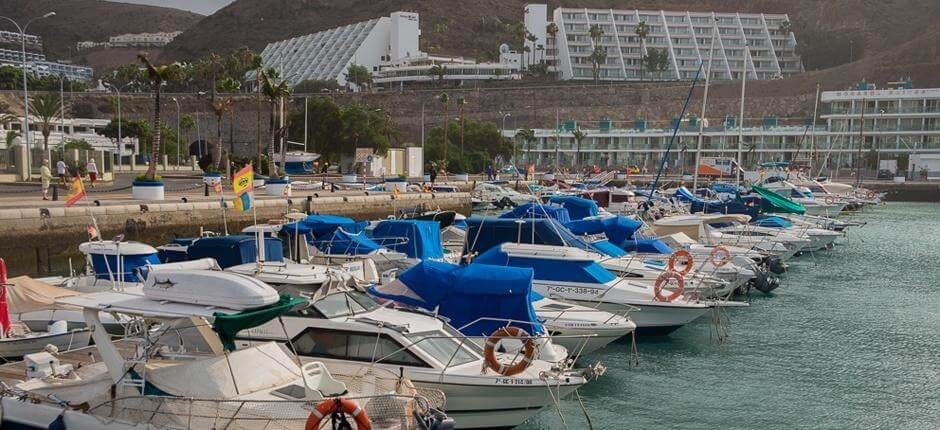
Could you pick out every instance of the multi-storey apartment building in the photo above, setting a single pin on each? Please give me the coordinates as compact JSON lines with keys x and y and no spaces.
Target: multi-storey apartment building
{"x":760,"y":45}
{"x":37,"y":64}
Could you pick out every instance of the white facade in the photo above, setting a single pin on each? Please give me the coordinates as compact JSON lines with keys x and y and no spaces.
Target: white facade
{"x":75,"y":128}
{"x":143,"y":39}
{"x":13,"y":38}
{"x":37,"y":64}
{"x":536,"y":24}
{"x":685,"y":36}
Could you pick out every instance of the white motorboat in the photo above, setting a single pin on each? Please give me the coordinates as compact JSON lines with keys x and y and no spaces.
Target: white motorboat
{"x":580,"y":329}
{"x":699,"y":227}
{"x":501,"y":196}
{"x":573,"y":275}
{"x":181,"y":372}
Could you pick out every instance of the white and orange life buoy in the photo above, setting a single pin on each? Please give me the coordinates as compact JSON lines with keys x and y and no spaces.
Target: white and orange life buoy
{"x":528,"y":347}
{"x":687,"y":259}
{"x":713,"y":256}
{"x":661,"y":283}
{"x":871,"y":194}
{"x":830,"y":200}
{"x":330,"y":406}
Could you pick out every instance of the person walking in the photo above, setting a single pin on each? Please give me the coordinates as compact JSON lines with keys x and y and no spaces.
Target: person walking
{"x":433,"y":173}
{"x":45,"y":175}
{"x":62,"y":170}
{"x":92,"y":169}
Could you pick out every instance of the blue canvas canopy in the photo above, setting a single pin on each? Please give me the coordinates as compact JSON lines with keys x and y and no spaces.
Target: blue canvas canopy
{"x":417,"y":239}
{"x":484,"y":233}
{"x":715,"y":206}
{"x":106,"y":266}
{"x":607,"y":248}
{"x":617,"y":229}
{"x":578,"y":207}
{"x":231,"y":251}
{"x":651,"y":246}
{"x":323,"y":225}
{"x":549,"y":269}
{"x":538,"y":210}
{"x":465,"y":294}
{"x":343,"y":242}
{"x":772,"y":221}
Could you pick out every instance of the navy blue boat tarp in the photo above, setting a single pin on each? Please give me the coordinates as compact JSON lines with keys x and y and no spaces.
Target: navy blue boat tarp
{"x":650,"y":246}
{"x":343,"y":242}
{"x":538,"y":211}
{"x":607,"y":248}
{"x":547,"y":269}
{"x":465,"y":294}
{"x":715,"y":206}
{"x":417,"y":239}
{"x":318,"y":226}
{"x":172,"y":255}
{"x":128,"y":273}
{"x":617,"y":229}
{"x":578,"y":207}
{"x":484,"y":233}
{"x":231,"y":251}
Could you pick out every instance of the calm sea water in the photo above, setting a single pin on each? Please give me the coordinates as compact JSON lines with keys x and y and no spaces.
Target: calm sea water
{"x":851,"y":340}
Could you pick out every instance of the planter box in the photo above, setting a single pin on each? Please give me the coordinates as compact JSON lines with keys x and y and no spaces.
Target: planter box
{"x":277,"y":187}
{"x":350,"y":179}
{"x":146,"y":190}
{"x":462,"y":177}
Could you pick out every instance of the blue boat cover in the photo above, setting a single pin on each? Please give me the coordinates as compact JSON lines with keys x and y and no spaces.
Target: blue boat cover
{"x":772,"y":221}
{"x":651,"y":246}
{"x":416,"y":238}
{"x":128,"y":273}
{"x":484,"y":233}
{"x":547,"y":269}
{"x":617,"y":229}
{"x":578,"y":207}
{"x":715,"y":206}
{"x":465,"y":294}
{"x":538,"y":210}
{"x":231,"y":251}
{"x":607,"y":248}
{"x":343,"y":242}
{"x":323,"y":225}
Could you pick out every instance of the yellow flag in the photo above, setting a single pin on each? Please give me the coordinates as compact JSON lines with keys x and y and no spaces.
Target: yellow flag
{"x":244,"y":180}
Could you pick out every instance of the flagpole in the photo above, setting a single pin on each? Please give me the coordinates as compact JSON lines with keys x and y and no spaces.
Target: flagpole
{"x":222,"y":203}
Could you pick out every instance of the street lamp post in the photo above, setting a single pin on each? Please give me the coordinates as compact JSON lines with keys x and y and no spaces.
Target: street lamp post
{"x":120,"y":124}
{"x":177,"y":132}
{"x":22,"y":30}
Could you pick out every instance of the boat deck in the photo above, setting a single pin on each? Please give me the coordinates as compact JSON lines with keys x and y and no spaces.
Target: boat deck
{"x":15,"y":371}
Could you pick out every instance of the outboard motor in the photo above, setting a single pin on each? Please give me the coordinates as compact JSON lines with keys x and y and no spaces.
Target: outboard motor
{"x":765,"y":283}
{"x":776,"y":265}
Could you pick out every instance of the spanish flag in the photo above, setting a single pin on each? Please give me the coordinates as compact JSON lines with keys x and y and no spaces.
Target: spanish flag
{"x":76,"y":192}
{"x":243,"y":202}
{"x":244,"y":180}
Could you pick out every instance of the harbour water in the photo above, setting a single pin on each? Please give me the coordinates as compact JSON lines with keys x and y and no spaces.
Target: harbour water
{"x":851,"y":340}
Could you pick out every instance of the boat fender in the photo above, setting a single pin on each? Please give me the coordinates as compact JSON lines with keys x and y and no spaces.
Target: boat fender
{"x":330,"y":407}
{"x":830,"y":200}
{"x":661,"y":282}
{"x":725,"y":256}
{"x":489,"y":351}
{"x":686,"y":259}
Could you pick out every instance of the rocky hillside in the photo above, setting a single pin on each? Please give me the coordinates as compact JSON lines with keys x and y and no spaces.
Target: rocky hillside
{"x":78,"y":20}
{"x":831,"y":32}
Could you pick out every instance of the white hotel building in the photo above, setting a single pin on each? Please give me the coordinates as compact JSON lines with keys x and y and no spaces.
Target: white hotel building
{"x":686,"y":36}
{"x":897,"y":121}
{"x":387,"y":46}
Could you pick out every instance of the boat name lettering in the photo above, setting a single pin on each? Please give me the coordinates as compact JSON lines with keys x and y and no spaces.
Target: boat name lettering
{"x":513,"y":381}
{"x":572,"y":290}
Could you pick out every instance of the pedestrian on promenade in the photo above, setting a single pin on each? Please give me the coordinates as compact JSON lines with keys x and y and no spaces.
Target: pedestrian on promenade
{"x":45,"y":175}
{"x":92,"y":169}
{"x":62,"y":170}
{"x":433,"y":173}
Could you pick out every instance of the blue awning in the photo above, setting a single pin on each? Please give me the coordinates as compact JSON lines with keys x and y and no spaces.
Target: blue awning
{"x":484,"y":233}
{"x":234,"y":250}
{"x":417,"y":239}
{"x":343,"y":242}
{"x":578,"y":207}
{"x":466,"y":294}
{"x":323,"y":225}
{"x":652,"y":246}
{"x":538,"y":211}
{"x":548,"y":269}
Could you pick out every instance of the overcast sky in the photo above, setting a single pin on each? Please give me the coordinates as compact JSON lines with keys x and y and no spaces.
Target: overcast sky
{"x":204,"y":7}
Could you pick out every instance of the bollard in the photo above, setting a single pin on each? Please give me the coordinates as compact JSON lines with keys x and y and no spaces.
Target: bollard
{"x":206,"y":190}
{"x":55,"y":193}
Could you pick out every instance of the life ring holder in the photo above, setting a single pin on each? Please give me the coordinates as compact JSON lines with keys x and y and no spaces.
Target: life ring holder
{"x":489,"y":351}
{"x":715,"y":252}
{"x":330,"y":406}
{"x":661,"y":282}
{"x":689,"y":261}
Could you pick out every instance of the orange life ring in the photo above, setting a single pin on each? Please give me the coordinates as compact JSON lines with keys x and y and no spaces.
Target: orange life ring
{"x":489,"y":351}
{"x":871,"y":194}
{"x":660,"y":283}
{"x":725,"y":256}
{"x":329,"y":406}
{"x":830,"y":200}
{"x":675,"y":257}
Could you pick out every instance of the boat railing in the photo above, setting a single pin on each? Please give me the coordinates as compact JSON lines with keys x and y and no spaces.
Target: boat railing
{"x":386,"y":411}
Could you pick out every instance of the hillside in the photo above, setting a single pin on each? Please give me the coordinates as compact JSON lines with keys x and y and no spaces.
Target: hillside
{"x":78,"y":20}
{"x":831,"y":32}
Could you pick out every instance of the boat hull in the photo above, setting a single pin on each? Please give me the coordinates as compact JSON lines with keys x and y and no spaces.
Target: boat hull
{"x":18,"y":347}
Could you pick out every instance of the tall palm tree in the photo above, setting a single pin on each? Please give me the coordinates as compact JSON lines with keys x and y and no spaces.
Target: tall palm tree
{"x":597,"y":57}
{"x":527,"y":135}
{"x":461,"y":103}
{"x":642,"y":30}
{"x":257,"y":66}
{"x":157,"y":76}
{"x":445,"y":101}
{"x":6,"y":116}
{"x":275,"y":90}
{"x":578,"y":137}
{"x":596,"y":32}
{"x":532,"y":39}
{"x":46,"y":109}
{"x":219,"y":107}
{"x":437,"y":71}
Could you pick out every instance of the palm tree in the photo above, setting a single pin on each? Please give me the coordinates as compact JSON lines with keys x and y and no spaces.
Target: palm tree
{"x":597,"y":57}
{"x":219,"y":108}
{"x":461,"y":103}
{"x":275,"y":90}
{"x":527,"y":135}
{"x":786,"y":27}
{"x":445,"y":100}
{"x":257,"y":65}
{"x":532,"y":39}
{"x":596,"y":33}
{"x":6,"y":116}
{"x":642,"y":31}
{"x":578,"y":137}
{"x":438,"y":71}
{"x":157,"y":76}
{"x":524,"y":135}
{"x":46,"y":109}
{"x":551,"y":29}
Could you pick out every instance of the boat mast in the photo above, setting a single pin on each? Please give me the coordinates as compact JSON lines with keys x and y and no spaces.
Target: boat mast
{"x":812,"y":147}
{"x":861,"y":141}
{"x":737,"y":173}
{"x":701,"y":126}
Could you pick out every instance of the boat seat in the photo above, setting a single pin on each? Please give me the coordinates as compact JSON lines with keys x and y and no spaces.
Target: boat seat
{"x":320,"y":383}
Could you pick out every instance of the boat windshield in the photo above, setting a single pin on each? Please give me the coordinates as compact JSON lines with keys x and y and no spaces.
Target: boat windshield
{"x":345,"y":304}
{"x":445,"y":347}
